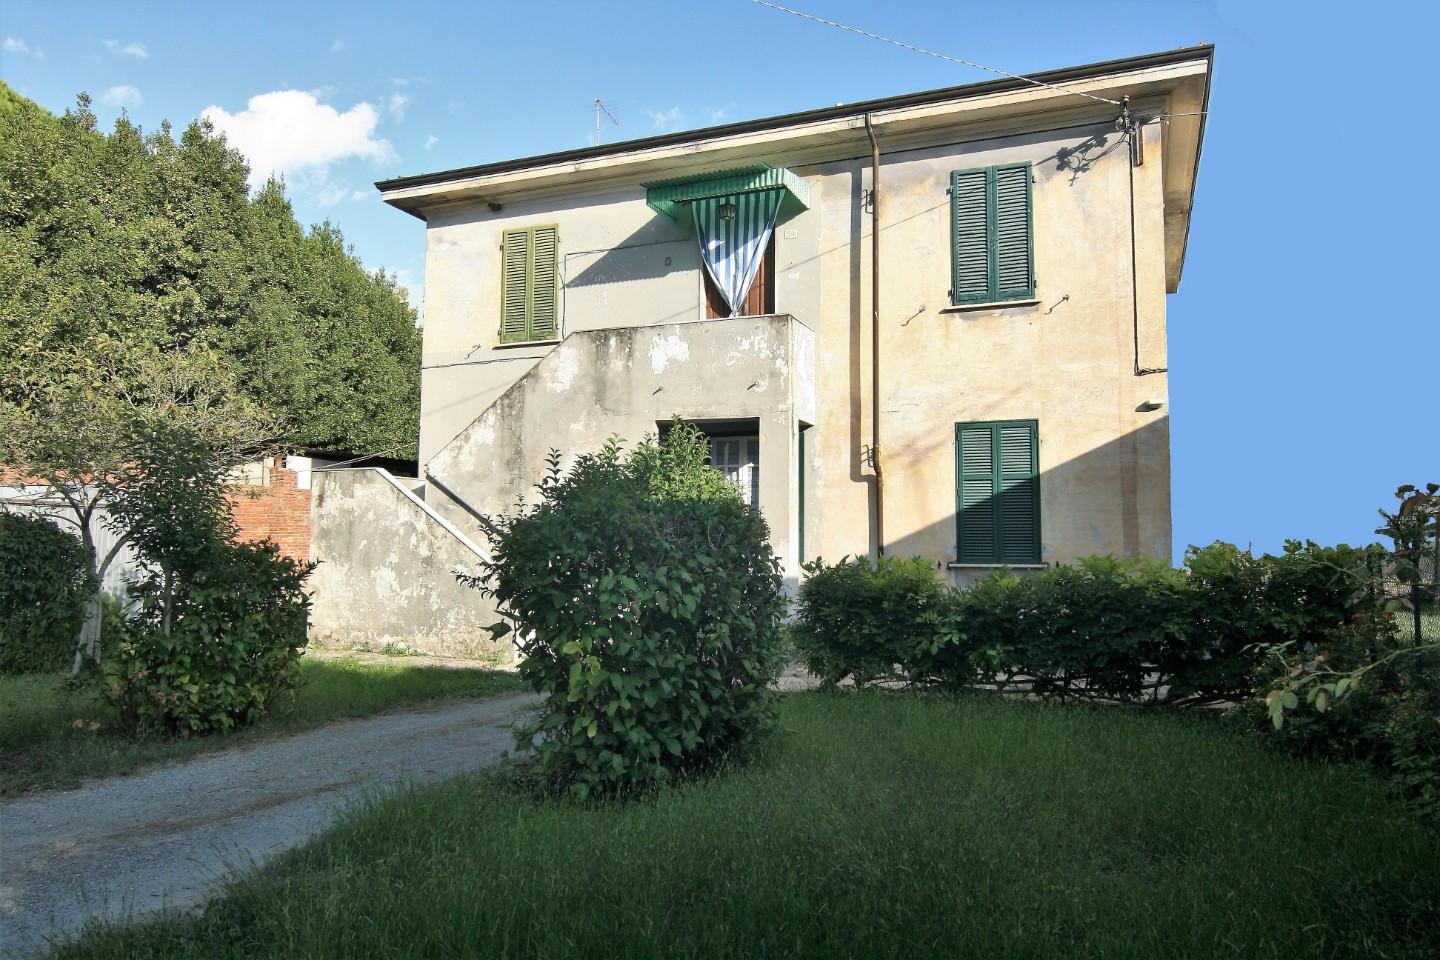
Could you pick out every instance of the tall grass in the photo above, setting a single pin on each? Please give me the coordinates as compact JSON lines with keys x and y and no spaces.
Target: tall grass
{"x":880,"y":826}
{"x":47,"y":739}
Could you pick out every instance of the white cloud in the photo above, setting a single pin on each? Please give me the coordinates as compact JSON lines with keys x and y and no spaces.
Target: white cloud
{"x":396,"y":105}
{"x":17,"y":45}
{"x":672,"y":119}
{"x":714,"y":115}
{"x":325,"y":92}
{"x":290,"y":131}
{"x":136,"y":50}
{"x":122,"y":95}
{"x":431,"y":140}
{"x":329,"y":194}
{"x":337,"y":47}
{"x":360,"y":195}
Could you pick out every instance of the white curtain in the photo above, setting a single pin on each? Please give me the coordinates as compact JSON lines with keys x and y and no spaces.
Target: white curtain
{"x":732,"y":249}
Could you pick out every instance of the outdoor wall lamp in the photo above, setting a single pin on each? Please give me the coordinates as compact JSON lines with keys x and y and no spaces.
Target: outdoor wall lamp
{"x":727,"y":210}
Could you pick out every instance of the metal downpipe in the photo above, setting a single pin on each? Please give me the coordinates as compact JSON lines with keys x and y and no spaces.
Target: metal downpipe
{"x":875,"y":337}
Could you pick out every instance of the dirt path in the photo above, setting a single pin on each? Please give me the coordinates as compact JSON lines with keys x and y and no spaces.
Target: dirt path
{"x":129,"y":846}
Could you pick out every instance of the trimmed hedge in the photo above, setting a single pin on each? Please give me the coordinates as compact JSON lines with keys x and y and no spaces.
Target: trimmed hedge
{"x":43,"y":589}
{"x":1103,"y":628}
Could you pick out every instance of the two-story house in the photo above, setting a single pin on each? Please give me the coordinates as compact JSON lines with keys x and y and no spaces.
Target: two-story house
{"x":930,"y":324}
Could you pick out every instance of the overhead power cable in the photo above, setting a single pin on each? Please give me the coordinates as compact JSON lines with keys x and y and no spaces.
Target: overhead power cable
{"x":931,"y":53}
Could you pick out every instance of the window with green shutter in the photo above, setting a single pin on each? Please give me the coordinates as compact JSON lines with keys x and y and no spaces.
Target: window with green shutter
{"x":992,"y":247}
{"x":528,"y":284}
{"x":997,"y":492}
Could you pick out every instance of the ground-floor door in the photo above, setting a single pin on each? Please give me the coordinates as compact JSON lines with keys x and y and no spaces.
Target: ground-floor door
{"x":738,"y":458}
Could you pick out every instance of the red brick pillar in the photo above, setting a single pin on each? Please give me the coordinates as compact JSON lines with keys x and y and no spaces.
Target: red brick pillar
{"x":277,"y":510}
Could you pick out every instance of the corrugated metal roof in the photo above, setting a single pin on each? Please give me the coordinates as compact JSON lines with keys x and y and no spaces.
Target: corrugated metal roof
{"x":666,"y":196}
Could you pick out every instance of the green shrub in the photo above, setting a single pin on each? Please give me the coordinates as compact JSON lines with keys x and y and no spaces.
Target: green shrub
{"x":864,"y":621}
{"x":1387,"y":712}
{"x":1096,"y":628}
{"x":217,"y":651}
{"x":1411,"y":739}
{"x":647,"y":605}
{"x":43,"y":589}
{"x":984,"y":625}
{"x":1103,"y":627}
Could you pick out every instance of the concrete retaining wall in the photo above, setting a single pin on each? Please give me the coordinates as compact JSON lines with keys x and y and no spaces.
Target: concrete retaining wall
{"x":386,"y":573}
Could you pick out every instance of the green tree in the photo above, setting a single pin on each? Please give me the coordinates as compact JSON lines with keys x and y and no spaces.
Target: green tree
{"x":155,"y":240}
{"x":137,"y":440}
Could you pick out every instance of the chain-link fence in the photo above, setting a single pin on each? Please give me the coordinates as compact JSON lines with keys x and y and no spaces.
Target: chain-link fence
{"x":1425,"y":597}
{"x":1417,"y":614}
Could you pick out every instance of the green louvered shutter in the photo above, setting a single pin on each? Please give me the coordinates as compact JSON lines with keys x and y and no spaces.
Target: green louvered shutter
{"x":998,"y":492}
{"x":1018,"y":484}
{"x":514,"y":286}
{"x":976,"y":524}
{"x":992,"y":249}
{"x":529,"y":307}
{"x":544,"y":317}
{"x":1014,"y":272}
{"x":970,"y":237}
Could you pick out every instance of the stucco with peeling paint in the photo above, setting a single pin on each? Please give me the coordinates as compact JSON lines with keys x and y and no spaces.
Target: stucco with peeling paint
{"x":598,"y":384}
{"x":386,"y":571}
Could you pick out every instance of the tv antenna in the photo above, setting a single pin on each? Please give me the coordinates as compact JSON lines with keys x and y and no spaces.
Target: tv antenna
{"x":599,"y":109}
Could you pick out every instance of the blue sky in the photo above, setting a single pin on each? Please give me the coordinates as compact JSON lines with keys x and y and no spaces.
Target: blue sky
{"x":1304,"y":354}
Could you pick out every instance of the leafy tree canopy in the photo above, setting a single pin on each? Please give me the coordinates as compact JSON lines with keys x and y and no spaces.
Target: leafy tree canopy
{"x":127,"y":244}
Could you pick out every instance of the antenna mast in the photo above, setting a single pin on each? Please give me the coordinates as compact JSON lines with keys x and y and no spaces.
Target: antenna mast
{"x":601,"y":108}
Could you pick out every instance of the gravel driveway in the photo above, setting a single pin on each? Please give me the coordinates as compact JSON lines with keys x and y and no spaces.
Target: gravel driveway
{"x":121,"y":848}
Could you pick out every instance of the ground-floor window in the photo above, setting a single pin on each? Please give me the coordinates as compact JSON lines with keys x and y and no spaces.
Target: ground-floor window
{"x":738,"y":458}
{"x":997,"y":474}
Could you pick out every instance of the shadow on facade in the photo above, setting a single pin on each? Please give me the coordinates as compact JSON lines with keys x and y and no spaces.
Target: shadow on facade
{"x":1112,"y":499}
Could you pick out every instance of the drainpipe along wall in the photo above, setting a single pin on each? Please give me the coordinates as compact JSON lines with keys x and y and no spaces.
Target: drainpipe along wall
{"x":875,"y":337}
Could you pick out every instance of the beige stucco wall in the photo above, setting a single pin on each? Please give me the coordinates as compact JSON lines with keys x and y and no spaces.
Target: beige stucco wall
{"x":1066,"y":361}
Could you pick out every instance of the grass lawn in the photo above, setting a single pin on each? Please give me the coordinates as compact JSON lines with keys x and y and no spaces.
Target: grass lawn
{"x":881,"y":826}
{"x":40,"y":746}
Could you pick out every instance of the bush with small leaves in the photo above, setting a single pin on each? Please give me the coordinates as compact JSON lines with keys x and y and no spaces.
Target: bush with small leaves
{"x":43,"y":589}
{"x":1100,"y":628}
{"x":646,"y":607}
{"x":867,"y":621}
{"x":209,"y":650}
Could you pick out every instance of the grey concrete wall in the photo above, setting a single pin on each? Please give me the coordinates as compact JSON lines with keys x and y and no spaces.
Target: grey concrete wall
{"x":386,"y":573}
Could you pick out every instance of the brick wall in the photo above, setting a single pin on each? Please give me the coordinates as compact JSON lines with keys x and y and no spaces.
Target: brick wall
{"x":275,"y":509}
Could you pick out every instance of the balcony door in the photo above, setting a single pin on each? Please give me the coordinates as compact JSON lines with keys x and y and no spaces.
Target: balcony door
{"x":761,"y":299}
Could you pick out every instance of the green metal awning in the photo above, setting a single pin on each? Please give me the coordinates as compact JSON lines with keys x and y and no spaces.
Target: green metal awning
{"x":670,"y":196}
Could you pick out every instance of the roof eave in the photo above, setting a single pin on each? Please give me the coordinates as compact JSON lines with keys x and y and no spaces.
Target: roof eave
{"x":407,"y":193}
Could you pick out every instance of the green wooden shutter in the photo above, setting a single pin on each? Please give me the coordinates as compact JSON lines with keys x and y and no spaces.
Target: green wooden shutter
{"x":998,"y":492}
{"x":529,"y":288}
{"x":976,"y":524}
{"x":1014,"y":272}
{"x":1018,"y":487}
{"x":514,"y":286}
{"x":992,"y":247}
{"x":544,"y":316}
{"x":970,"y":237}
